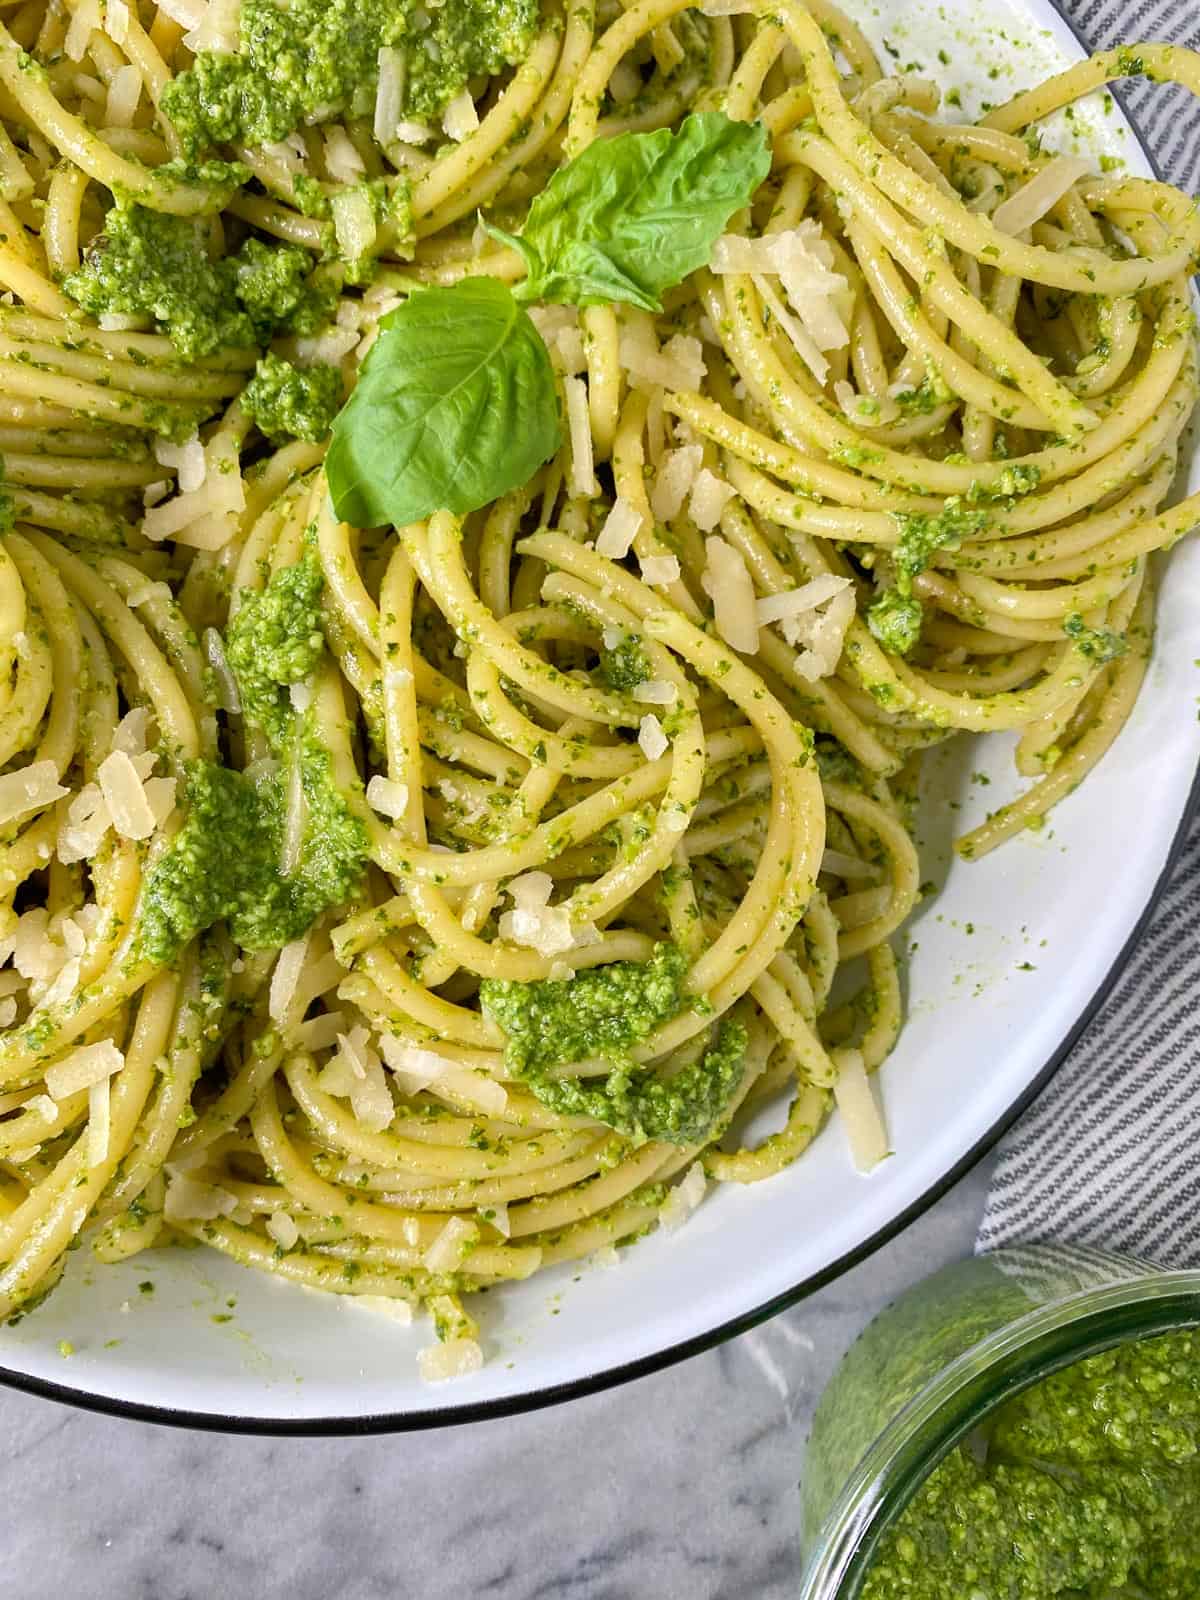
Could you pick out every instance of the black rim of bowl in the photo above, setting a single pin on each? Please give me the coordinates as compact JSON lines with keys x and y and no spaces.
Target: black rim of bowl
{"x":626,"y":1372}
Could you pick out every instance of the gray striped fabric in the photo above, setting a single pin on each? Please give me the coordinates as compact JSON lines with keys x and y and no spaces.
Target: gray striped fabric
{"x":1110,"y":1154}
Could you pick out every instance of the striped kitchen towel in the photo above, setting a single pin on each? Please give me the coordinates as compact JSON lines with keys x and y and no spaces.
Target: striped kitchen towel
{"x":1110,"y":1153}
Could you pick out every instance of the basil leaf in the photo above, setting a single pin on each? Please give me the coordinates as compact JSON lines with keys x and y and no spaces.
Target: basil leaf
{"x":632,"y":216}
{"x":455,"y":406}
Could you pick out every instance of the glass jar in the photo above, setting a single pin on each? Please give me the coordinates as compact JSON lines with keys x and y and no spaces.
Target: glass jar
{"x":937,"y":1361}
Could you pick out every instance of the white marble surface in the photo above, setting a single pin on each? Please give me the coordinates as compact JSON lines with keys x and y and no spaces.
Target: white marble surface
{"x":679,"y":1487}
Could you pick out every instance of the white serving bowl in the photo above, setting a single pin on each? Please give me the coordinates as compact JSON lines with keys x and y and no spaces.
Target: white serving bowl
{"x":1007,"y":964}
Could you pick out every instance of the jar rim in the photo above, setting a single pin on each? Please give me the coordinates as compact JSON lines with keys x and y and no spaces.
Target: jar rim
{"x":1004,"y":1363}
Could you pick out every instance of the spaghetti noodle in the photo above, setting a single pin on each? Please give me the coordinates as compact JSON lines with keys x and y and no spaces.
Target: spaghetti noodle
{"x":401,"y":910}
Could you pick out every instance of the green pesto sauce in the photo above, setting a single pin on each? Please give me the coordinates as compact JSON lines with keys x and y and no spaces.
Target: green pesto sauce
{"x":1088,"y":1489}
{"x":8,"y":509}
{"x":149,"y":264}
{"x":1094,"y":644}
{"x":290,"y":402}
{"x":316,"y":59}
{"x":624,"y":666}
{"x":604,"y":1012}
{"x":929,"y":394}
{"x":895,"y":619}
{"x":223,"y":864}
{"x":684,"y":1109}
{"x":923,"y":535}
{"x":275,"y":640}
{"x":1020,"y":478}
{"x":272,"y":282}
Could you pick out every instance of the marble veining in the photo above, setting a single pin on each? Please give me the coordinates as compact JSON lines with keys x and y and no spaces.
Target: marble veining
{"x":679,"y":1487}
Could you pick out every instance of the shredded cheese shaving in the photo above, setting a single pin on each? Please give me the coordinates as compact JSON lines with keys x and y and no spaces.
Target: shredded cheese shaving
{"x":29,"y":789}
{"x":82,"y":1067}
{"x":621,"y":527}
{"x":727,"y":581}
{"x":1042,"y":193}
{"x":861,"y":1117}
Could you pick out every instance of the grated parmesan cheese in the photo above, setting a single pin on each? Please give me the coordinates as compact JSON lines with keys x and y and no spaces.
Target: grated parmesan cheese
{"x":132,"y":733}
{"x":99,"y":1123}
{"x":413,"y":133}
{"x":65,"y":983}
{"x":531,"y":889}
{"x":801,"y":341}
{"x":82,"y":1067}
{"x":387,"y":796}
{"x":813,"y":619}
{"x":318,"y":1033}
{"x":457,"y":1358}
{"x":726,"y":580}
{"x":446,"y":1252}
{"x":417,"y":1069}
{"x":191,"y":1200}
{"x":35,"y":955}
{"x":389,"y":96}
{"x":219,"y":28}
{"x":710,"y":496}
{"x":621,"y":527}
{"x":534,"y":923}
{"x":1041,"y":194}
{"x":795,"y":602}
{"x":567,"y":351}
{"x":656,"y":692}
{"x":460,"y":118}
{"x":29,"y":789}
{"x":124,"y":92}
{"x":370,"y":1098}
{"x":659,"y":571}
{"x":286,"y":977}
{"x":683,"y":1199}
{"x":678,"y":365}
{"x":330,"y":346}
{"x":125,"y":796}
{"x":116,"y":20}
{"x":282,"y":1228}
{"x":381,"y":1305}
{"x":802,"y":259}
{"x":85,"y":20}
{"x":651,"y":738}
{"x":582,"y":477}
{"x":341,"y":157}
{"x":861,"y":1117}
{"x":353,"y":223}
{"x":546,"y":929}
{"x":189,"y":517}
{"x":674,"y":481}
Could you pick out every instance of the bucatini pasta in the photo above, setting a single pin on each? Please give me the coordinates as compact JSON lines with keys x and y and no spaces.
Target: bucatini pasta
{"x":500,"y":496}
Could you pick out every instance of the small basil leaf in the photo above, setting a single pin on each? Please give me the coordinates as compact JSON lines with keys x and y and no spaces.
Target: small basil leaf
{"x":455,"y":406}
{"x":632,"y":216}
